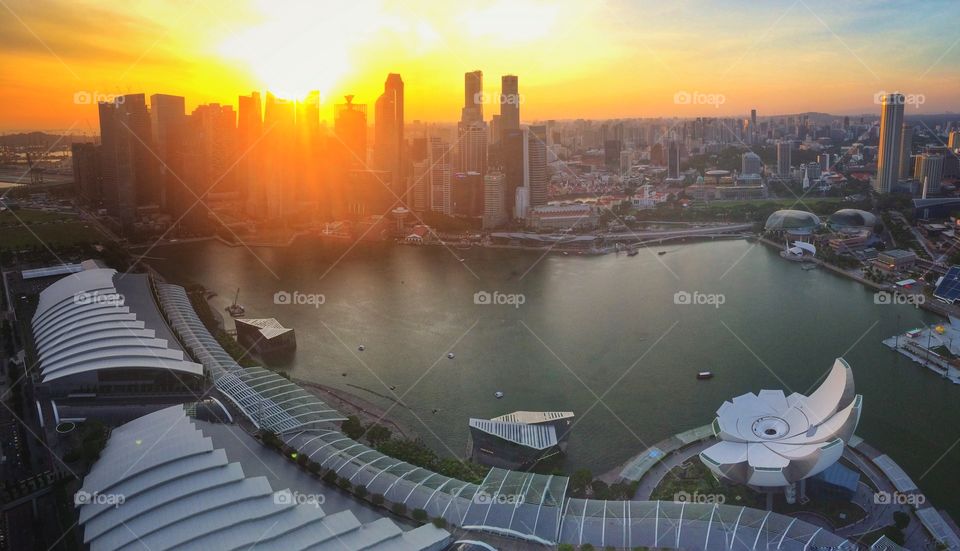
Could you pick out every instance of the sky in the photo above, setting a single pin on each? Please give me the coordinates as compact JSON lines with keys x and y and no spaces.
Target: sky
{"x":575,"y":59}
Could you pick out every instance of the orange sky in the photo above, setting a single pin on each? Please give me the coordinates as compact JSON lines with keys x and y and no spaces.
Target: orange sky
{"x":584,"y":58}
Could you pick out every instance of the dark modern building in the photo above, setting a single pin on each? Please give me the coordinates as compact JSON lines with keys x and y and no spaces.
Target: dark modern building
{"x":265,"y":336}
{"x":388,"y":134}
{"x":537,"y":161}
{"x":520,"y":439}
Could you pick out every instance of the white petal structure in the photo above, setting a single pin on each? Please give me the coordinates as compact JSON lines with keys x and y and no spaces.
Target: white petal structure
{"x":771,"y":440}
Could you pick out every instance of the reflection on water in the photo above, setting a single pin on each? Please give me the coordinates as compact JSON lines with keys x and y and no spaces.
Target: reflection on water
{"x":601,"y":336}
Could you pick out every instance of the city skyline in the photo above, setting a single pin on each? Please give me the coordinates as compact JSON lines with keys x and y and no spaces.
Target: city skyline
{"x":803,"y":56}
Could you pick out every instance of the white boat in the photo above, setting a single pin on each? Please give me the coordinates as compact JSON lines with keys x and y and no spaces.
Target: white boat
{"x":498,"y":394}
{"x":450,"y":355}
{"x":361,"y":348}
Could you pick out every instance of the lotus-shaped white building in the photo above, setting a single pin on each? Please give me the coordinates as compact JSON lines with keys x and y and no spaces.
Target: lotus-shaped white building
{"x":773,"y":440}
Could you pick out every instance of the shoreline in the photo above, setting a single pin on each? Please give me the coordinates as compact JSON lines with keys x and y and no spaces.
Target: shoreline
{"x":351,"y":404}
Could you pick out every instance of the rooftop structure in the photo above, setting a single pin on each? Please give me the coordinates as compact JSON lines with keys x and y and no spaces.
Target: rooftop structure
{"x":948,"y":287}
{"x":265,"y":335}
{"x":97,"y":321}
{"x":172,"y":488}
{"x":772,"y":440}
{"x":852,"y":220}
{"x":793,"y":221}
{"x":519,"y":439}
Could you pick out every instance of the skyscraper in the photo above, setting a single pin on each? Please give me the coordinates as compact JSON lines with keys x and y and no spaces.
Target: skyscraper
{"x":516,"y":170}
{"x":783,"y":158}
{"x":888,"y":154}
{"x":167,"y":124}
{"x":350,"y":126}
{"x":279,"y":122}
{"x":472,"y":147}
{"x":439,"y":176}
{"x":249,"y":130}
{"x":126,"y":156}
{"x":673,"y":160}
{"x":494,"y":212}
{"x":509,"y":103}
{"x":929,"y":171}
{"x":906,"y":149}
{"x":472,"y":97}
{"x":537,"y":160}
{"x":388,"y":134}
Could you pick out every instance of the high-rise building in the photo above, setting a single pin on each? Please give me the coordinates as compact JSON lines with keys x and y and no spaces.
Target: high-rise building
{"x":388,"y":134}
{"x":953,"y":142}
{"x":250,"y":169}
{"x":126,"y":157}
{"x":421,"y":185}
{"x":509,"y":103}
{"x":212,"y":149}
{"x":611,"y":153}
{"x":167,"y":124}
{"x":472,"y":147}
{"x":750,"y":163}
{"x":87,"y":176}
{"x":280,"y":168}
{"x":753,"y":126}
{"x":516,"y":170}
{"x":906,"y":150}
{"x":783,"y":158}
{"x":929,"y":171}
{"x":466,"y":194}
{"x":537,"y":161}
{"x":440,"y":176}
{"x":888,"y":154}
{"x":673,"y":160}
{"x":494,"y":212}
{"x":350,"y":127}
{"x":472,"y":97}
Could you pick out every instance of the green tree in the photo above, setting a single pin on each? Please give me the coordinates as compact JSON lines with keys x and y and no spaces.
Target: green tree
{"x":352,"y":427}
{"x":420,"y":515}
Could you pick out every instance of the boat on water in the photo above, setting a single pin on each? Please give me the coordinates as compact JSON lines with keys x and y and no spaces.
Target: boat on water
{"x":498,"y":394}
{"x":450,"y":355}
{"x":235,"y":309}
{"x":705,"y":375}
{"x":661,"y":253}
{"x":361,"y":348}
{"x":809,"y":266}
{"x":633,"y":252}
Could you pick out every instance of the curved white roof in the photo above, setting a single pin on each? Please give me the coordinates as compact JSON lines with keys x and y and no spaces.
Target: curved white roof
{"x":160,"y":484}
{"x":82,"y":324}
{"x":769,"y":439}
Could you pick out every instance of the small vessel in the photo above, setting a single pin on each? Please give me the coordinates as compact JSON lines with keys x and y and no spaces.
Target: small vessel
{"x":450,"y":355}
{"x":235,"y":309}
{"x":361,"y":348}
{"x":661,"y":253}
{"x":565,"y":253}
{"x":498,"y":394}
{"x":634,"y":252}
{"x":705,"y":375}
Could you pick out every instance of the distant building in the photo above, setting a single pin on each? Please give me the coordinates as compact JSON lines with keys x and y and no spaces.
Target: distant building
{"x":350,"y":126}
{"x":127,"y":161}
{"x":494,"y":213}
{"x":562,"y":217}
{"x":388,"y":134}
{"x":537,"y":161}
{"x":265,"y":336}
{"x":521,"y":203}
{"x":906,"y":150}
{"x":516,"y":171}
{"x":440,"y":172}
{"x":783,"y":159}
{"x":466,"y":194}
{"x":888,"y":153}
{"x":750,"y":163}
{"x":673,"y":160}
{"x":929,"y":171}
{"x":509,"y":103}
{"x":896,"y":260}
{"x":86,"y":172}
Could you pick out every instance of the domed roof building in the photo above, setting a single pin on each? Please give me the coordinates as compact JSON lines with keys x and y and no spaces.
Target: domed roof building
{"x":792,"y":221}
{"x":853,"y":220}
